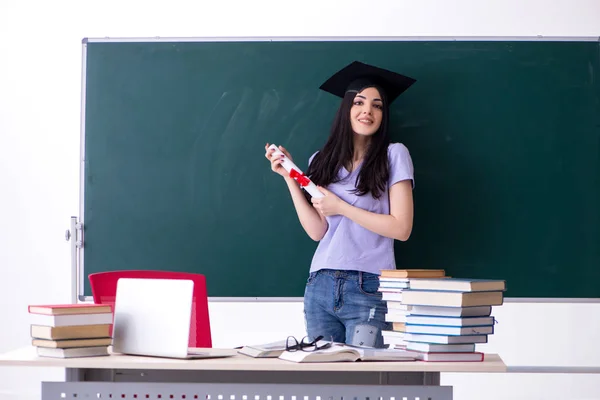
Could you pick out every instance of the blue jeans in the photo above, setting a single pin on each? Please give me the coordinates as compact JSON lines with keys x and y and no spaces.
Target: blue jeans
{"x":344,"y":306}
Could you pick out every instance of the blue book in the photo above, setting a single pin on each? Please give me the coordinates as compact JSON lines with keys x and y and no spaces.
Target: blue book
{"x":448,"y":321}
{"x":450,"y":330}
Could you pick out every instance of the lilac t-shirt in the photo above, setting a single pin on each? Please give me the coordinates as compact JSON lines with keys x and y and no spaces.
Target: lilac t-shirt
{"x":347,"y":245}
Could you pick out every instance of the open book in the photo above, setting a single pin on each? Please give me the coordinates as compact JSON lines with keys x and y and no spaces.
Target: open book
{"x":340,"y":352}
{"x":267,"y":350}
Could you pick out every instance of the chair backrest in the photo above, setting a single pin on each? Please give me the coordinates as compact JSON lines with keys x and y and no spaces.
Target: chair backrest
{"x":104,"y":288}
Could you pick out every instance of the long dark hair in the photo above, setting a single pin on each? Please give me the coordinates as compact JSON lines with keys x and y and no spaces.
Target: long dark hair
{"x":339,"y":149}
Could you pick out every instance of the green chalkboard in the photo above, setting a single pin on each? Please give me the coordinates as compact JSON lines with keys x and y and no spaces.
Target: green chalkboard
{"x":504,"y":136}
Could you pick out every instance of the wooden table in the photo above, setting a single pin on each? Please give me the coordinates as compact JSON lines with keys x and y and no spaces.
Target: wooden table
{"x":241,"y":377}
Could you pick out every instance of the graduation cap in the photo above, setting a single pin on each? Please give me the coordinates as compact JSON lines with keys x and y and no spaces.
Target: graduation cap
{"x":356,"y":76}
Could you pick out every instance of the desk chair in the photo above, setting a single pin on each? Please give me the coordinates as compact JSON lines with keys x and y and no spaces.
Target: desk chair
{"x":104,"y":288}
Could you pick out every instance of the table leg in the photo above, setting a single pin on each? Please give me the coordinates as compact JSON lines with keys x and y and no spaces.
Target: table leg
{"x":74,"y":375}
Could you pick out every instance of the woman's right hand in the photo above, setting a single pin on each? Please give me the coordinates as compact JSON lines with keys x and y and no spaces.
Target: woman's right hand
{"x":276,"y":160}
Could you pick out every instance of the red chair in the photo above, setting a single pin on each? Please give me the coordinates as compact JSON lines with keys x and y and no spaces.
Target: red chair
{"x":104,"y":288}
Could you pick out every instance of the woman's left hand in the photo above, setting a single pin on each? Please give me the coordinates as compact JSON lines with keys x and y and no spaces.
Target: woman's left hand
{"x":327,"y":205}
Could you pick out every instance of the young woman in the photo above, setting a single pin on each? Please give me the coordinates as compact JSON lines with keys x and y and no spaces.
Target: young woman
{"x":368,"y":203}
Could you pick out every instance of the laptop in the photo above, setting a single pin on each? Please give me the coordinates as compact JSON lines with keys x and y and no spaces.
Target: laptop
{"x":152,"y":318}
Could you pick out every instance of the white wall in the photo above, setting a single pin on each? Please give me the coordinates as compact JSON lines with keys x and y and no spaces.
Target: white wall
{"x":40,"y":57}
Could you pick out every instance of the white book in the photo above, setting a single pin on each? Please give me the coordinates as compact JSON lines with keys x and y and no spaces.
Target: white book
{"x":72,"y":343}
{"x":393,"y":311}
{"x":393,"y":296}
{"x":71,"y":319}
{"x":449,"y":321}
{"x":459,"y":284}
{"x":397,"y":305}
{"x":396,"y":334}
{"x":393,"y":280}
{"x":393,"y":338}
{"x":394,"y":317}
{"x":448,"y":357}
{"x":394,"y":342}
{"x":72,"y":352}
{"x":393,"y":285}
{"x":440,"y":348}
{"x":450,"y":330}
{"x":451,"y":299}
{"x":390,"y":289}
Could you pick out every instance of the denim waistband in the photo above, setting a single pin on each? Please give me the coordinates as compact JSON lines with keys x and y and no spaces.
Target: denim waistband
{"x":345,"y":274}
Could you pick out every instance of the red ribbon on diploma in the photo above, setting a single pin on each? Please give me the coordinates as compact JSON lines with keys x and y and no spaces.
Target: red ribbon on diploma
{"x":299,"y":177}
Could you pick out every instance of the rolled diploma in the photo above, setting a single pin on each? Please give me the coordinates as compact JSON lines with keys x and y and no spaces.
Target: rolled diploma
{"x":297,"y":174}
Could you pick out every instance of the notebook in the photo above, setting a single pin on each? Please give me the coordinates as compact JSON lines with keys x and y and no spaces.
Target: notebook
{"x":152,"y":318}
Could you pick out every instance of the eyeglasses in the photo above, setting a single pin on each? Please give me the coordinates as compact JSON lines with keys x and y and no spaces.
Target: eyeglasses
{"x":292,"y":344}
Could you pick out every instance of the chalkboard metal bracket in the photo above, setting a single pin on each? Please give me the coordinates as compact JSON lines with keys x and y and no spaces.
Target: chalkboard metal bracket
{"x":75,"y":236}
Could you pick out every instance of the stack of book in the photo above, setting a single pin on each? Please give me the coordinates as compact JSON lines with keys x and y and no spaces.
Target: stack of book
{"x":449,"y":316}
{"x":392,"y":282}
{"x":71,"y":330}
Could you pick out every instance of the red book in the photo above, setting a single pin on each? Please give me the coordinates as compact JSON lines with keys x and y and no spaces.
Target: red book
{"x":67,"y":309}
